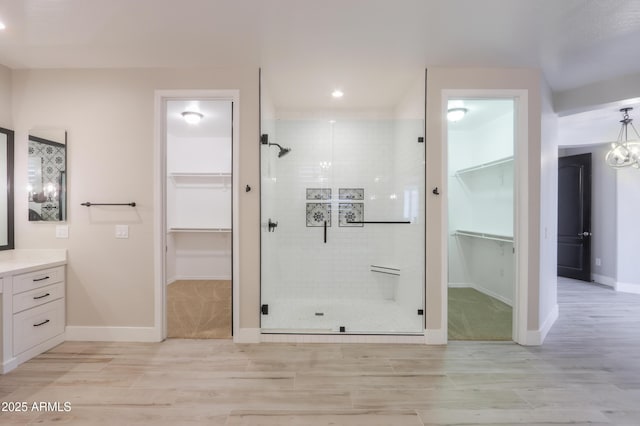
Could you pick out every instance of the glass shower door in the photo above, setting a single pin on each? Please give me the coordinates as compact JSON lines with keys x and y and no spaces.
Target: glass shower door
{"x":342,"y":243}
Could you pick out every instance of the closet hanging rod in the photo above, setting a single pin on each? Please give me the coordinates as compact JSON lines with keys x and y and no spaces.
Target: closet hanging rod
{"x":88,"y":204}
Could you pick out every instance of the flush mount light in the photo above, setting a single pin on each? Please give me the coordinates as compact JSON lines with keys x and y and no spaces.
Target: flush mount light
{"x":456,"y":114}
{"x":192,"y":117}
{"x":2,"y":26}
{"x":337,"y":93}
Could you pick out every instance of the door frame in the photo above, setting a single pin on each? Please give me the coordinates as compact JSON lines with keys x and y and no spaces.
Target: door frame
{"x":159,"y":190}
{"x":520,"y":196}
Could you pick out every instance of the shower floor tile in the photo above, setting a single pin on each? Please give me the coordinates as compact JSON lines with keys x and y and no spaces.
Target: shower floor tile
{"x":328,"y":315}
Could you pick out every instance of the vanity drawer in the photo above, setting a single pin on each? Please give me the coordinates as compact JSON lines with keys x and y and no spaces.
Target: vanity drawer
{"x":37,"y":325}
{"x":31,"y":280}
{"x":38,"y":296}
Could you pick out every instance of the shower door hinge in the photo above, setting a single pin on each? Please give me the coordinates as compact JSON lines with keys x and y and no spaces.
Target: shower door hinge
{"x":264,"y":309}
{"x":420,"y":311}
{"x":420,"y":139}
{"x":343,"y":329}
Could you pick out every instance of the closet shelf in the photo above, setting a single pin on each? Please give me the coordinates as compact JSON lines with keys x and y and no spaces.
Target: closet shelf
{"x":485,"y":165}
{"x":199,"y":175}
{"x":175,"y":230}
{"x":484,"y":236}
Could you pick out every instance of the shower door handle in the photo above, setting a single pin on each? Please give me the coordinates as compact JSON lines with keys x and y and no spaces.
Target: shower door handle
{"x":325,"y":232}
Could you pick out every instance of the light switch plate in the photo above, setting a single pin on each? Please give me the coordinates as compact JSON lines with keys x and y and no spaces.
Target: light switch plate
{"x":62,"y":231}
{"x":122,"y":231}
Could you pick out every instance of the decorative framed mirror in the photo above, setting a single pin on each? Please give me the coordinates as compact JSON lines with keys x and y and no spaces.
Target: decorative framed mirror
{"x":6,"y":184}
{"x":47,"y":174}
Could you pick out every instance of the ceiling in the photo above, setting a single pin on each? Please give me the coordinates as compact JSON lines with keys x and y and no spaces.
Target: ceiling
{"x":372,"y":49}
{"x":216,"y":119}
{"x":574,"y":41}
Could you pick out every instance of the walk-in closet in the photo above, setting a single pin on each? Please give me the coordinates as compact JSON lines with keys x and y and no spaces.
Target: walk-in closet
{"x":481,"y":266}
{"x":198,"y":218}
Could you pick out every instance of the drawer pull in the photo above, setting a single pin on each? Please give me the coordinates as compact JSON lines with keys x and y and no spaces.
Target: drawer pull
{"x":41,"y":279}
{"x":42,"y":323}
{"x":40,"y":297}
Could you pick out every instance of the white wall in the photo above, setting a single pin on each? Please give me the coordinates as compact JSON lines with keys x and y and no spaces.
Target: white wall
{"x":6,"y":120}
{"x":109,"y":115}
{"x":548,"y":231}
{"x":603,"y":213}
{"x":440,"y":79}
{"x":628,"y":233}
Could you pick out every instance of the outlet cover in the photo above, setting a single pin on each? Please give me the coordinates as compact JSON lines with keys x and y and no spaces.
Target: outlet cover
{"x":62,"y":231}
{"x":122,"y":231}
{"x":598,"y":261}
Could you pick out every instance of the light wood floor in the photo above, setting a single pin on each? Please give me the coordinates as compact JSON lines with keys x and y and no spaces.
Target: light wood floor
{"x":587,"y":372}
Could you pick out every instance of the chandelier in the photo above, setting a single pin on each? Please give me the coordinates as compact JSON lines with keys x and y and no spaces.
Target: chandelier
{"x":625,"y":153}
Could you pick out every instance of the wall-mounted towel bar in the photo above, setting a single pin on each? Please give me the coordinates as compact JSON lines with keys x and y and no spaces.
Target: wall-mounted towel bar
{"x":88,"y":204}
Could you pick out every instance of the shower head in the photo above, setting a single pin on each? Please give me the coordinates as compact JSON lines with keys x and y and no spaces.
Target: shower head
{"x":283,"y":151}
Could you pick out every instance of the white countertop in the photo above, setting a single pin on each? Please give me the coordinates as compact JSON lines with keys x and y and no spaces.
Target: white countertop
{"x":26,"y":260}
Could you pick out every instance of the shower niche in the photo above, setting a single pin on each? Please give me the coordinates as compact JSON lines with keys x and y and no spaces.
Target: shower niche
{"x":344,"y":181}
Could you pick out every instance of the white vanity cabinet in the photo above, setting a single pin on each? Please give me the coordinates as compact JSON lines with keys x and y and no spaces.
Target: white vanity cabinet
{"x":33,"y":303}
{"x":38,"y":308}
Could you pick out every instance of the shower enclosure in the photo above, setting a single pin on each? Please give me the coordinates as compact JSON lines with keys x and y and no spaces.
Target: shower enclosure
{"x":343,"y":218}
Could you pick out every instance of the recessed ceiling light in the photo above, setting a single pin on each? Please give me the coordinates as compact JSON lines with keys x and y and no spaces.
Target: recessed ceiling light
{"x":192,"y":117}
{"x":2,"y":26}
{"x":337,"y":93}
{"x":456,"y":114}
{"x":332,"y":121}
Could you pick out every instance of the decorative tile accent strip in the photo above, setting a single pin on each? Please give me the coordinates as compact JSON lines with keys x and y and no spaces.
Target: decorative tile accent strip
{"x":318,"y":193}
{"x":350,"y":212}
{"x":351,"y":193}
{"x":317,"y":213}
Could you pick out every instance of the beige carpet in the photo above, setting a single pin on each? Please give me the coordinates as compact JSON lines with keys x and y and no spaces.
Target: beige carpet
{"x":199,"y":309}
{"x":475,"y":316}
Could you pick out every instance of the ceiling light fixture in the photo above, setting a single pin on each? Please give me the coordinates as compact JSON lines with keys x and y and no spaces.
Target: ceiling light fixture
{"x":192,"y":117}
{"x":2,"y":26}
{"x":337,"y":93}
{"x":456,"y":114}
{"x":625,"y":153}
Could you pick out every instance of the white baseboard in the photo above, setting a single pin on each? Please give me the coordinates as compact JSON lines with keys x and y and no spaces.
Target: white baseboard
{"x":246,"y":335}
{"x":32,"y":352}
{"x":604,"y":280}
{"x":435,"y":337}
{"x":494,"y":295}
{"x":536,"y":337}
{"x":9,"y":365}
{"x":460,"y":285}
{"x":628,"y":287}
{"x":111,"y":334}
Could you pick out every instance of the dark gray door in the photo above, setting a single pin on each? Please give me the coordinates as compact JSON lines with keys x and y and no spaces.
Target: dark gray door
{"x":574,"y":217}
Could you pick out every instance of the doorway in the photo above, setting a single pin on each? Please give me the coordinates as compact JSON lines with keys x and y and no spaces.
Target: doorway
{"x":574,"y":217}
{"x":481,"y":210}
{"x":196,"y":245}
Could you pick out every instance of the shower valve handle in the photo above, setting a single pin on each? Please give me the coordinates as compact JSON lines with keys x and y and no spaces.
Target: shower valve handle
{"x":272,"y":225}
